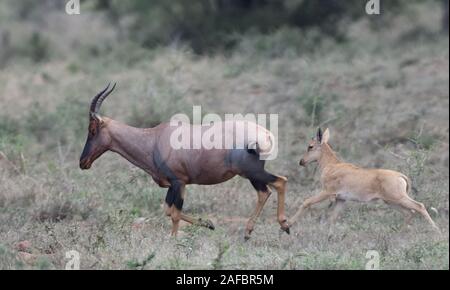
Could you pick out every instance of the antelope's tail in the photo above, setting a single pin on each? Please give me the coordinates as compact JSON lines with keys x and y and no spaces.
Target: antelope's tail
{"x":408,"y":183}
{"x":263,"y":145}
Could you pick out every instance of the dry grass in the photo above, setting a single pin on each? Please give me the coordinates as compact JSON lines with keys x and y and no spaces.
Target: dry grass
{"x":385,"y":100}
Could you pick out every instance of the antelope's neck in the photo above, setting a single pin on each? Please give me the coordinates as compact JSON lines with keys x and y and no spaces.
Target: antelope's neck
{"x":328,"y":157}
{"x":134,"y":144}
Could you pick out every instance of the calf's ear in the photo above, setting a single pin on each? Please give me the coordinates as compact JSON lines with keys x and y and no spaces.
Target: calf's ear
{"x":319,"y":135}
{"x":325,"y":136}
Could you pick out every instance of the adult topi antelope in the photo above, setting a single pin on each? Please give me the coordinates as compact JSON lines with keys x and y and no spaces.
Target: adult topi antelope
{"x":344,"y":181}
{"x":150,"y":149}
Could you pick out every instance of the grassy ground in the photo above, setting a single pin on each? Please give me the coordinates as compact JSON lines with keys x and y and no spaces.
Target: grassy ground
{"x":383,"y":95}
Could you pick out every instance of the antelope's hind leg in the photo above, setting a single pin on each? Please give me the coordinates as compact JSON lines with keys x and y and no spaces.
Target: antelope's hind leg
{"x":263,"y":195}
{"x":198,"y":221}
{"x":411,"y":204}
{"x":263,"y":180}
{"x":252,"y":168}
{"x":279,"y":184}
{"x":406,"y":212}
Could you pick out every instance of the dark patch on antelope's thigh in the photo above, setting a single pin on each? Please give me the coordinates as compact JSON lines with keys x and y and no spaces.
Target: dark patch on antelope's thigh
{"x":259,"y":185}
{"x":250,"y":166}
{"x":243,"y":161}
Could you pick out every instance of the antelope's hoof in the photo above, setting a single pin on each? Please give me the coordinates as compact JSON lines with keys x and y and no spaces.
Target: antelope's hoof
{"x":287,"y":230}
{"x":285,"y":227}
{"x":209,"y":225}
{"x":248,"y":234}
{"x":206,"y":223}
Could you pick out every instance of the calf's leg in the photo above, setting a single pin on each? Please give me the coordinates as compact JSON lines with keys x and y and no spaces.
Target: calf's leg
{"x":407,"y":213}
{"x":308,"y":202}
{"x":338,"y":206}
{"x":411,"y":204}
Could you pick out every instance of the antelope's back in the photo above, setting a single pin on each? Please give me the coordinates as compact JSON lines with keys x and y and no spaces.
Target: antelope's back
{"x":201,"y":153}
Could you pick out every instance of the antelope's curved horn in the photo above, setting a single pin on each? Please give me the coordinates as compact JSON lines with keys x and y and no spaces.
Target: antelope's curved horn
{"x":103,"y":96}
{"x":95,"y":99}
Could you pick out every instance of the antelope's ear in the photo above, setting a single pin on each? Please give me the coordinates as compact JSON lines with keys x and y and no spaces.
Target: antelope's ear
{"x":319,"y":135}
{"x":325,"y":136}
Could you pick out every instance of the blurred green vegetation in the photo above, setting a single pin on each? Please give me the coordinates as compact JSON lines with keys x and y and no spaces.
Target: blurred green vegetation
{"x":205,"y":26}
{"x":131,"y":33}
{"x":211,"y":25}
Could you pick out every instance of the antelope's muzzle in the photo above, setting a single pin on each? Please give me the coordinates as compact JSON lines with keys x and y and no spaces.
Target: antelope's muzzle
{"x":302,"y":162}
{"x":85,"y":164}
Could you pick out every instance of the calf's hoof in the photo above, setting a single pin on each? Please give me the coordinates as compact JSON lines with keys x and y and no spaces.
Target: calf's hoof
{"x":248,"y":234}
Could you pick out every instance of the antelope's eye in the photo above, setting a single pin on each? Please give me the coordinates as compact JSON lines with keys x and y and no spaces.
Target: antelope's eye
{"x":310,"y":147}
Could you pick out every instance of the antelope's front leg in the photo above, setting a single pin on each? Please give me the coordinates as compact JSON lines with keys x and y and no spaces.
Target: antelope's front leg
{"x":174,"y":204}
{"x":280,"y":186}
{"x":263,"y":194}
